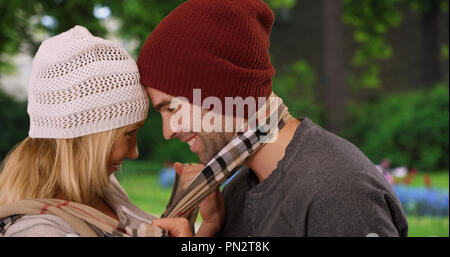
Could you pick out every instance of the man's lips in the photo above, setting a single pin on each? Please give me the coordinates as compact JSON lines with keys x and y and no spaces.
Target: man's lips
{"x":190,"y":140}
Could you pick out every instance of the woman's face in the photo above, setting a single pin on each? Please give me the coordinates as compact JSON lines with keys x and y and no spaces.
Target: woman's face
{"x":125,"y":147}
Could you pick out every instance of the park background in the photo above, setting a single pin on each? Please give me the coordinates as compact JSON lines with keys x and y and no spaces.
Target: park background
{"x":375,"y":72}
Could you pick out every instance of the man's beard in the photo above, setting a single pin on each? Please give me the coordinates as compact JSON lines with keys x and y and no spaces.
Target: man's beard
{"x":213,"y":143}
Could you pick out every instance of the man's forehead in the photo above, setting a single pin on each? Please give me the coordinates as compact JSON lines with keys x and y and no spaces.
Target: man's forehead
{"x":158,"y":97}
{"x":155,"y":93}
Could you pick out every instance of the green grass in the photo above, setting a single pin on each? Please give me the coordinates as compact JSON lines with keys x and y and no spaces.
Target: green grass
{"x":428,"y":226}
{"x":140,"y":181}
{"x":439,"y":179}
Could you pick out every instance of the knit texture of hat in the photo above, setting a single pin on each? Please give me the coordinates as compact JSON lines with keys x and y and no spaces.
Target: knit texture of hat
{"x":81,"y":84}
{"x":218,"y":46}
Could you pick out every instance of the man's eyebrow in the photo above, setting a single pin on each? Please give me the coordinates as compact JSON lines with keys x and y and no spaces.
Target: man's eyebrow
{"x":159,"y":106}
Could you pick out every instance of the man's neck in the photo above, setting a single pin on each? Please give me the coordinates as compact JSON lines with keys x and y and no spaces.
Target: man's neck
{"x":265,"y":160}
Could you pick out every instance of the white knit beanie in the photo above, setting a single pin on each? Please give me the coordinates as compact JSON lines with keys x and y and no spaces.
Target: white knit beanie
{"x":81,"y":84}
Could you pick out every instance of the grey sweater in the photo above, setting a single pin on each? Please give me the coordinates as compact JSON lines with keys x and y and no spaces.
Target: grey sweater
{"x":324,"y":186}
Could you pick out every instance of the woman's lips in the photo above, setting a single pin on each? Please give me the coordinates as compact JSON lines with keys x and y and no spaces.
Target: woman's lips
{"x":115,"y":166}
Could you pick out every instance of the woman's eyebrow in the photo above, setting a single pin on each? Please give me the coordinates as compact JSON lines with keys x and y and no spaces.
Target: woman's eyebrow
{"x":137,"y":126}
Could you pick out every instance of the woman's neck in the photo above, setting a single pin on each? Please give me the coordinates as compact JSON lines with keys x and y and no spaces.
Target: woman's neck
{"x":102,"y":206}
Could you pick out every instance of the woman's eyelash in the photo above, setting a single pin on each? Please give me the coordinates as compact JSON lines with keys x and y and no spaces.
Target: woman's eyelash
{"x":132,"y":132}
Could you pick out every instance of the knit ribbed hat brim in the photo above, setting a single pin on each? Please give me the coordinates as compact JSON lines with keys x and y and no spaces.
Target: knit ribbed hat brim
{"x":220,"y":47}
{"x":81,"y":84}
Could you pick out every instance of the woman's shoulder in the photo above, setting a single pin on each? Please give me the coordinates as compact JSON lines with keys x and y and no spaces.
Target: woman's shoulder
{"x":42,"y":225}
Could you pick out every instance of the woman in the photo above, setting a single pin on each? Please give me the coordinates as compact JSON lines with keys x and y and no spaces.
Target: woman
{"x":86,"y":105}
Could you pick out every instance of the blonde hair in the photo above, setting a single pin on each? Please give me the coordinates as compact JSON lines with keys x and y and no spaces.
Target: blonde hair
{"x":77,"y":168}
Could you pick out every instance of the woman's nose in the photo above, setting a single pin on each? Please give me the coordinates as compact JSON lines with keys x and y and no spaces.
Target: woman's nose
{"x":133,"y":153}
{"x":167,"y":130}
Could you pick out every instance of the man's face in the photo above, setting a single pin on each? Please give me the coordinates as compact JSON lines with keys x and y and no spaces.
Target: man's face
{"x":204,"y":144}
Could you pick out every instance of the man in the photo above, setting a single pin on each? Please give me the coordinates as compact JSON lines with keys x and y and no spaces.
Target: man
{"x":308,"y":182}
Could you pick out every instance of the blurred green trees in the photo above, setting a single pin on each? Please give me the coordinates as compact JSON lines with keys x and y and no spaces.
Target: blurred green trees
{"x":406,"y":127}
{"x":13,"y":27}
{"x":14,"y":123}
{"x":297,"y":89}
{"x":373,"y":19}
{"x":281,"y":3}
{"x":409,"y":128}
{"x":21,"y":20}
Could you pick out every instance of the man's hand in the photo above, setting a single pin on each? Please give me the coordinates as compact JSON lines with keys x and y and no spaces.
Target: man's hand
{"x":212,"y":209}
{"x":177,"y":227}
{"x":187,"y":172}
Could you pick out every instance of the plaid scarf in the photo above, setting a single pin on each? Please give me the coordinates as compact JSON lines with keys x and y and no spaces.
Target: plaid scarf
{"x":257,"y":131}
{"x":77,"y":215}
{"x":252,"y":135}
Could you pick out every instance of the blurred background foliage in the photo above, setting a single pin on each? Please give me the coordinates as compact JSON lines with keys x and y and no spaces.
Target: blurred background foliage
{"x":372,"y":21}
{"x":410,"y":128}
{"x":372,"y":71}
{"x":339,"y":80}
{"x":14,"y":123}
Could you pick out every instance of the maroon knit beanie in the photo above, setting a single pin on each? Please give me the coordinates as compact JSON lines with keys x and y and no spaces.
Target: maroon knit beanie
{"x":219,"y":46}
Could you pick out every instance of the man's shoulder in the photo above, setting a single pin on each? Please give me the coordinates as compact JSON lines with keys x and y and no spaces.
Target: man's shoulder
{"x":318,"y":148}
{"x":314,"y":137}
{"x":318,"y":160}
